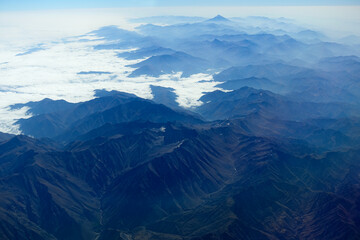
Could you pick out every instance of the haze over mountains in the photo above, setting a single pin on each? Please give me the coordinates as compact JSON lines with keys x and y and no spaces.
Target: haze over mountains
{"x":220,"y":128}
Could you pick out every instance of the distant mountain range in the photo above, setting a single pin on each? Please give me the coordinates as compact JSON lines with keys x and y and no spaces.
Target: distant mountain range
{"x":170,"y":63}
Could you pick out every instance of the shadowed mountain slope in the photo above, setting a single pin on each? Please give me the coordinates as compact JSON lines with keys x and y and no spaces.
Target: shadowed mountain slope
{"x":111,"y":108}
{"x":167,"y":181}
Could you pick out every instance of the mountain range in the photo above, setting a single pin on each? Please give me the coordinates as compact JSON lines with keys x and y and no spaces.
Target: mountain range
{"x":272,"y":152}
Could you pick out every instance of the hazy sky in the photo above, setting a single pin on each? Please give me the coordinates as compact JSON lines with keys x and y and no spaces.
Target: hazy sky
{"x":15,"y":5}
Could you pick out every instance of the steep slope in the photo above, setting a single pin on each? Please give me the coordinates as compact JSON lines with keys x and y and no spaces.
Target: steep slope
{"x":39,"y":199}
{"x":41,"y":174}
{"x":132,"y":111}
{"x":146,"y":52}
{"x":52,"y":124}
{"x":111,"y":107}
{"x":147,"y":180}
{"x":45,"y":106}
{"x":165,"y":96}
{"x":246,"y":101}
{"x":253,"y":82}
{"x":170,"y":63}
{"x":275,"y":196}
{"x":5,"y":136}
{"x":312,"y":132}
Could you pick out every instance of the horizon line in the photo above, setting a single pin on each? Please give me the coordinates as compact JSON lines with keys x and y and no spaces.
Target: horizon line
{"x":181,"y":6}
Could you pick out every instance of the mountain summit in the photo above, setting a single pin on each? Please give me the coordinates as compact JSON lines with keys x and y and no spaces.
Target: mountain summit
{"x":218,"y":18}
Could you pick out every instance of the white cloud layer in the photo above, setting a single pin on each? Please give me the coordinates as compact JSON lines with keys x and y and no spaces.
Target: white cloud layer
{"x":53,"y":73}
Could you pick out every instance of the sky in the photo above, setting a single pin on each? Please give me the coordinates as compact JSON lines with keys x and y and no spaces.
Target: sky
{"x":20,"y":5}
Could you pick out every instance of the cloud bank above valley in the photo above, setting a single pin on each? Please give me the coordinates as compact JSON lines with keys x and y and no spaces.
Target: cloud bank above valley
{"x":56,"y":54}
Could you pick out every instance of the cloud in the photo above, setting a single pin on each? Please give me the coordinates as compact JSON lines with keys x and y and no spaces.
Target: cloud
{"x":53,"y":73}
